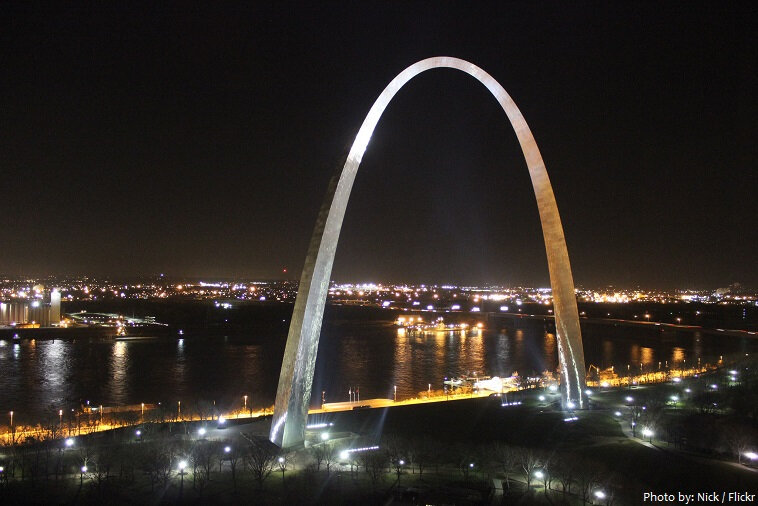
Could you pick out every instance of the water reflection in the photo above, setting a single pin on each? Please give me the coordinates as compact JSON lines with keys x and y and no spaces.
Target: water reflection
{"x":372,"y":356}
{"x":118,"y":373}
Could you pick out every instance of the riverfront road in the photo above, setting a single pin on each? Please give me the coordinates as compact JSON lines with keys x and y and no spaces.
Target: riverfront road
{"x":626,"y":323}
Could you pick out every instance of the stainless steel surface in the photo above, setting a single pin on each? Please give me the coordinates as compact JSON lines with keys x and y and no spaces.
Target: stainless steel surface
{"x":295,"y":380}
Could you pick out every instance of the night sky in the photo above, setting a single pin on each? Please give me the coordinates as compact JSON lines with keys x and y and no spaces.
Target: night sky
{"x":199,"y":142}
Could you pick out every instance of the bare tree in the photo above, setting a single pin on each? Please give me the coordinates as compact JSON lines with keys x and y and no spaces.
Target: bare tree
{"x":739,"y":439}
{"x":529,"y":462}
{"x":233,"y":456}
{"x":396,"y":449}
{"x":330,"y":456}
{"x":419,"y":452}
{"x":317,"y":452}
{"x":565,"y":468}
{"x":506,"y":457}
{"x":260,"y":458}
{"x":588,"y":473}
{"x":546,"y":461}
{"x":204,"y":455}
{"x":374,"y":463}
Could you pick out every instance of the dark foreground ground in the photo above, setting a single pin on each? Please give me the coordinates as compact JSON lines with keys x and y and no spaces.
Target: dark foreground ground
{"x":441,"y":453}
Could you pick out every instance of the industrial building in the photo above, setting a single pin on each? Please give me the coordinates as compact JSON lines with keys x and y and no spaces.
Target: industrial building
{"x":41,"y":311}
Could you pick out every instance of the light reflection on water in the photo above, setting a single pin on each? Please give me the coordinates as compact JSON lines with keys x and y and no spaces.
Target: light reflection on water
{"x":372,"y":356}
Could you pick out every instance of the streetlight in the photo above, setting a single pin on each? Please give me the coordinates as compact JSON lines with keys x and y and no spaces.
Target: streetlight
{"x":648,"y":433}
{"x":81,"y":475}
{"x":142,"y":412}
{"x":69,"y":442}
{"x":201,"y":431}
{"x":282,"y":466}
{"x":600,"y":494}
{"x":244,"y":397}
{"x":182,"y":472}
{"x":395,"y":398}
{"x":539,"y":475}
{"x":60,"y":415}
{"x":324,"y":436}
{"x":751,"y":455}
{"x":179,"y":409}
{"x":227,"y":449}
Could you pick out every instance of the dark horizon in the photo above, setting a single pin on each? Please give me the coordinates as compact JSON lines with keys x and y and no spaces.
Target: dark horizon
{"x":200,"y":143}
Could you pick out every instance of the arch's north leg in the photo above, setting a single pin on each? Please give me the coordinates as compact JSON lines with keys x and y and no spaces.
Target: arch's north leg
{"x":295,"y":380}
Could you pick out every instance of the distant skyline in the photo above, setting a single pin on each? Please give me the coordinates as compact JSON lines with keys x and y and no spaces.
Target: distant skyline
{"x":168,"y":278}
{"x":199,"y":142}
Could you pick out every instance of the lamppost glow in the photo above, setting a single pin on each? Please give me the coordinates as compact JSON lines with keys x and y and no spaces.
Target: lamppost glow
{"x":69,"y":442}
{"x":324,"y":436}
{"x":182,"y":466}
{"x":201,"y":431}
{"x":227,"y":449}
{"x":751,"y":455}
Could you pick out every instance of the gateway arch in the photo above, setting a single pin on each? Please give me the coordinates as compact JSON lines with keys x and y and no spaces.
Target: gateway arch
{"x":296,"y":378}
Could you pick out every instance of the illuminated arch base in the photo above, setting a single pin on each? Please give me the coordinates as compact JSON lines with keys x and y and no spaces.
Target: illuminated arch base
{"x":296,"y":378}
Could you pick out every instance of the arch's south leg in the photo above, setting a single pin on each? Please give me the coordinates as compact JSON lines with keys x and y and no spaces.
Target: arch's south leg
{"x":296,"y":377}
